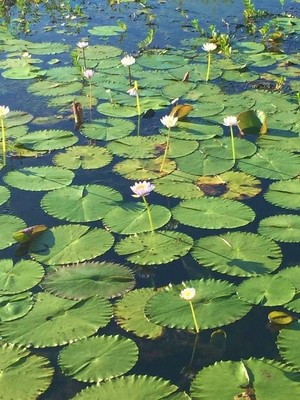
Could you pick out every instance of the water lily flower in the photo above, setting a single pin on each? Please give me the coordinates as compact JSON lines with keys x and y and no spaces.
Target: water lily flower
{"x":209,"y":47}
{"x":231,"y":120}
{"x":142,"y":189}
{"x":127,"y":61}
{"x":3,"y":111}
{"x":188,"y":294}
{"x":88,"y":73}
{"x":169,"y":121}
{"x":132,"y":91}
{"x":82,"y":44}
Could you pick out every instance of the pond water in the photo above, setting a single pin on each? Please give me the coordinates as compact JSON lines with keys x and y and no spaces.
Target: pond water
{"x":95,"y":294}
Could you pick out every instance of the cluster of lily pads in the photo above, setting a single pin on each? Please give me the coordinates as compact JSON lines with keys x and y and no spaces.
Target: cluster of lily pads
{"x":154,"y":126}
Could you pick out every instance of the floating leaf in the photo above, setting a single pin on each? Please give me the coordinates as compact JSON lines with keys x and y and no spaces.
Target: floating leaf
{"x":27,"y":234}
{"x":104,"y":279}
{"x":284,"y":194}
{"x":66,"y":244}
{"x":154,"y":247}
{"x":4,"y":195}
{"x":15,"y":306}
{"x":221,"y":148}
{"x":39,"y":178}
{"x":106,"y":30}
{"x":19,"y":277}
{"x":287,"y":343}
{"x":82,"y":203}
{"x":23,"y":376}
{"x":133,"y":218}
{"x":238,"y":253}
{"x":85,"y":157}
{"x":144,"y":169}
{"x":133,"y":387}
{"x":213,"y":213}
{"x":107,"y":129}
{"x":94,"y":359}
{"x":190,"y":131}
{"x":9,"y":224}
{"x":292,"y":274}
{"x":54,"y":321}
{"x":200,"y":163}
{"x":248,"y":122}
{"x":280,"y":318}
{"x":129,"y":314}
{"x":47,"y":140}
{"x":284,"y":228}
{"x":215,"y":304}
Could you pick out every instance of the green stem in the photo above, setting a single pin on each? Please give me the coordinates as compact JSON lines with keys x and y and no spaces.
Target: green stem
{"x":90,"y":94}
{"x":166,"y":151}
{"x":208,"y":66}
{"x":84,"y":60}
{"x":130,"y":78}
{"x":139,"y":125}
{"x":138,"y":105}
{"x":194,"y":350}
{"x":232,"y":144}
{"x":194,"y":318}
{"x":149,"y":213}
{"x":3,"y":141}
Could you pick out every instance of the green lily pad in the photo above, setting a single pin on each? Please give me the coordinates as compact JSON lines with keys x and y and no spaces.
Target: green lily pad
{"x":190,"y":131}
{"x":200,"y":163}
{"x":284,"y":194}
{"x":50,"y":88}
{"x":207,"y":110}
{"x":47,"y":140}
{"x":238,"y":253}
{"x":287,"y":343}
{"x":221,"y":148}
{"x":140,"y":169}
{"x":284,"y":228}
{"x":63,"y":74}
{"x":17,"y":118}
{"x":9,"y":225}
{"x":23,"y":71}
{"x":248,"y":47}
{"x":4,"y":195}
{"x":107,"y":129}
{"x":19,"y":277}
{"x":271,"y":164}
{"x":94,"y":359}
{"x":215,"y":304}
{"x":85,"y":157}
{"x":133,"y":218}
{"x":54,"y":321}
{"x":292,"y":274}
{"x":246,"y":376}
{"x":213,"y":213}
{"x":82,"y":203}
{"x":155,"y":247}
{"x":129,"y":314}
{"x":267,"y":290}
{"x":67,"y":244}
{"x":104,"y":279}
{"x":15,"y":306}
{"x":24,"y":376}
{"x":161,"y":61}
{"x":117,"y":110}
{"x":39,"y":178}
{"x":106,"y":30}
{"x":101,"y":52}
{"x":278,"y":142}
{"x":174,"y":185}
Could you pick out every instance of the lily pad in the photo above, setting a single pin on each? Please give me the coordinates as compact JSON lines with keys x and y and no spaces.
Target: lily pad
{"x":238,"y":254}
{"x":133,"y":218}
{"x":19,"y":277}
{"x":215,"y":304}
{"x":201,"y":163}
{"x":85,"y":157}
{"x":133,"y":387}
{"x":246,"y":377}
{"x":47,"y":140}
{"x":140,"y":169}
{"x":271,"y":164}
{"x":107,"y":129}
{"x":284,"y":194}
{"x":82,"y":203}
{"x":94,"y":359}
{"x":155,"y":247}
{"x":24,"y":376}
{"x":106,"y":30}
{"x":67,"y":244}
{"x":191,"y":131}
{"x":9,"y":225}
{"x":129,"y":314}
{"x":284,"y":228}
{"x":278,"y":142}
{"x":213,"y":213}
{"x":287,"y":343}
{"x":221,"y":148}
{"x":54,"y":321}
{"x":39,"y":178}
{"x":4,"y":195}
{"x":267,"y":290}
{"x":15,"y":306}
{"x":88,"y":279}
{"x":17,"y":118}
{"x":292,"y":274}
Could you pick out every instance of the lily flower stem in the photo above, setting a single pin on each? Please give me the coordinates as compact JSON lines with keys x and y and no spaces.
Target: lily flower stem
{"x":194,"y":350}
{"x":149,"y":213}
{"x":84,"y":59}
{"x":138,"y":105}
{"x":139,"y":125}
{"x":194,"y":318}
{"x":208,"y":66}
{"x":90,"y":94}
{"x":232,"y":144}
{"x":129,"y":73}
{"x":3,"y":142}
{"x":166,"y":150}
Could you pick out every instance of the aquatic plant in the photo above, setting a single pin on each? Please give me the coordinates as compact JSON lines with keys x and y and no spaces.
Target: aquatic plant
{"x":188,"y":294}
{"x":143,"y":189}
{"x":3,"y":112}
{"x":231,"y":121}
{"x":83,"y":45}
{"x":169,"y":121}
{"x":128,"y":61}
{"x":208,"y":47}
{"x":88,"y":74}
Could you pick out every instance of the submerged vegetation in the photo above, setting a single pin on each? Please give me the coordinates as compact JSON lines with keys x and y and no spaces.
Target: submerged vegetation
{"x":103,"y":296}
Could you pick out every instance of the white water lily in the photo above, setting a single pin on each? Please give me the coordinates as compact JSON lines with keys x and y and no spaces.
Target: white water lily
{"x":3,"y":111}
{"x":82,"y":44}
{"x":231,"y":120}
{"x":142,"y":189}
{"x":169,"y":121}
{"x":132,"y":91}
{"x":188,"y":294}
{"x":127,"y":61}
{"x":209,"y":47}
